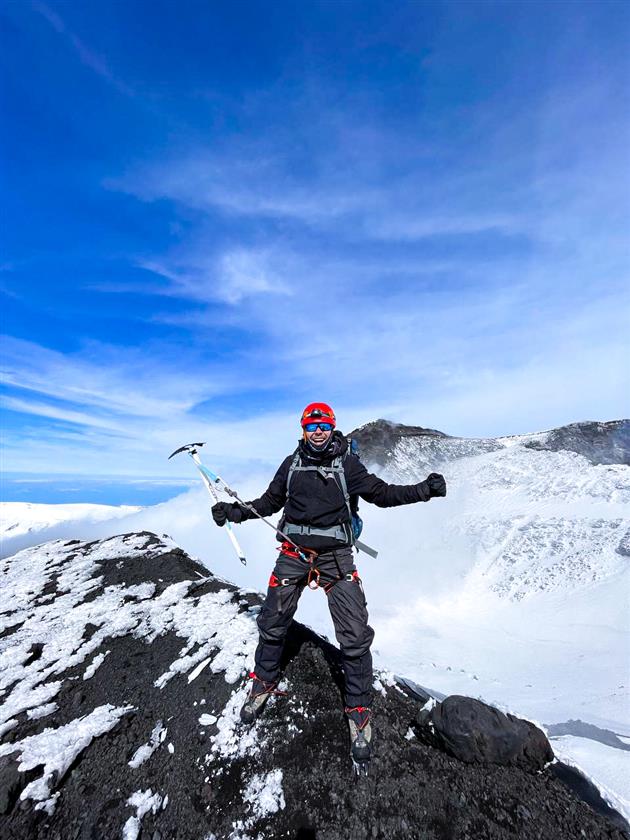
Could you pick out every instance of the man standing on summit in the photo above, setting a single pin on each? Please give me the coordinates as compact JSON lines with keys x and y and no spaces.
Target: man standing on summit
{"x":315,"y":486}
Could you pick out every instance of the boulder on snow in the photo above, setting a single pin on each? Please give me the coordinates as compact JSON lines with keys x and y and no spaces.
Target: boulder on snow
{"x":474,"y":732}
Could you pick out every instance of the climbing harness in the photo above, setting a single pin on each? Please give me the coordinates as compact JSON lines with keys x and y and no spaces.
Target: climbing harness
{"x":313,"y":575}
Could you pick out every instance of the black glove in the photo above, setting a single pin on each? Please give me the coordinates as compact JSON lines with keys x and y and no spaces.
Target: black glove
{"x":223,"y":511}
{"x":436,"y":485}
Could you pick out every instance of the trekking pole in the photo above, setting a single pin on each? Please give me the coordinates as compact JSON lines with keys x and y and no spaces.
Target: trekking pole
{"x":212,"y":481}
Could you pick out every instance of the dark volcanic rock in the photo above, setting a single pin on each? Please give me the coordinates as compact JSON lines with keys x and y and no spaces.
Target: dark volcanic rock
{"x":600,"y":443}
{"x":480,"y":734}
{"x":10,"y":783}
{"x":384,"y":434}
{"x":587,"y":791}
{"x":210,"y":778}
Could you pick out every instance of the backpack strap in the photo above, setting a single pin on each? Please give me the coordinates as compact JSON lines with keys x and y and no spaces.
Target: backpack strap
{"x":337,"y":466}
{"x":295,"y":464}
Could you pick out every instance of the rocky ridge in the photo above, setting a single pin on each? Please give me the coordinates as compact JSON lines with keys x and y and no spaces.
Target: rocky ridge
{"x":598,"y":442}
{"x":123,"y":667}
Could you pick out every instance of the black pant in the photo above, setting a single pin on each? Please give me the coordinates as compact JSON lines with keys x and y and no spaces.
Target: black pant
{"x":348,"y":610}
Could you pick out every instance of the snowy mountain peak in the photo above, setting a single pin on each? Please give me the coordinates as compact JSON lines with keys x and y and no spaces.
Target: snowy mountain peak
{"x":598,"y":442}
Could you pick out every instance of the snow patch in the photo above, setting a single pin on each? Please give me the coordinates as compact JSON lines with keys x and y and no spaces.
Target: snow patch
{"x":42,"y":711}
{"x":146,"y":750}
{"x":95,"y":664}
{"x":143,"y":801}
{"x":264,"y":794}
{"x":214,"y":625}
{"x":230,"y":741}
{"x":196,"y":671}
{"x":56,"y":749}
{"x":49,"y":804}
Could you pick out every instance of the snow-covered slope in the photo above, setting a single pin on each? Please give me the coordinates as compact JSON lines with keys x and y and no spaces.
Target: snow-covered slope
{"x":524,"y":521}
{"x":123,"y":668}
{"x":534,"y":519}
{"x":518,"y":588}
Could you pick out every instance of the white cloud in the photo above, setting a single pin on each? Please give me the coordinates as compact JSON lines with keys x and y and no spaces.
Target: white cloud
{"x":55,"y":412}
{"x":244,"y":273}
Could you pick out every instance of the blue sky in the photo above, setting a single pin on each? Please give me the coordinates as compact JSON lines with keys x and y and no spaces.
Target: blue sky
{"x":216,"y":213}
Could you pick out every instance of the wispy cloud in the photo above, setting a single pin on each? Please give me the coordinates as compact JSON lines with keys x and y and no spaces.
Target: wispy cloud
{"x":119,"y":380}
{"x":228,"y":278}
{"x":115,"y":411}
{"x":441,"y":290}
{"x":451,"y":365}
{"x":88,"y":57}
{"x":57,"y":412}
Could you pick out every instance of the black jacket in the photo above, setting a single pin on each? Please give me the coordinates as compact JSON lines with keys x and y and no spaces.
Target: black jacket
{"x":318,"y":502}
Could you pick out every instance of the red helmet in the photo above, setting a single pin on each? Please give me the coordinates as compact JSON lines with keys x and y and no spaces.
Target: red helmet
{"x":315,"y":412}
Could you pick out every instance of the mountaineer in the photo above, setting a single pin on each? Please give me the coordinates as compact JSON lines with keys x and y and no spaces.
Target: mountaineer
{"x":318,"y":486}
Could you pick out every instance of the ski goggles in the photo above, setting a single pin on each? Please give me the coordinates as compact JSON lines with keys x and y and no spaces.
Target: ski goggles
{"x":318,"y":414}
{"x":324,"y":427}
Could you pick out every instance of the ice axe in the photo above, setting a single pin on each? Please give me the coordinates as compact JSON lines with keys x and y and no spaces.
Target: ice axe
{"x":210,"y":479}
{"x":214,"y":481}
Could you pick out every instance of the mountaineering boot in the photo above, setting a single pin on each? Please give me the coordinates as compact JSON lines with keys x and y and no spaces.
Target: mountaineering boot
{"x":259,"y":693}
{"x":360,"y":735}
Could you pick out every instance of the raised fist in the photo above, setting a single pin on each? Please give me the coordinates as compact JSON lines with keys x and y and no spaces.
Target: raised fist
{"x":436,"y":484}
